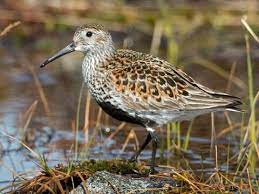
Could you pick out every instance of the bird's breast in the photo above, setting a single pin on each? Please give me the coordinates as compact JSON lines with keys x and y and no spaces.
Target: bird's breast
{"x":94,"y":79}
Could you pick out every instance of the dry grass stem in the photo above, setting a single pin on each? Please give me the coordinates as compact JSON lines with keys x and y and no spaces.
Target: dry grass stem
{"x":87,"y":117}
{"x":9,"y":28}
{"x":36,"y":155}
{"x":248,"y":28}
{"x":156,"y":39}
{"x":117,"y":130}
{"x":38,"y":85}
{"x":131,"y":135}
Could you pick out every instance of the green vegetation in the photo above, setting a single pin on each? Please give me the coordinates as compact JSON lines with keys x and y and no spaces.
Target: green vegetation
{"x":204,"y":39}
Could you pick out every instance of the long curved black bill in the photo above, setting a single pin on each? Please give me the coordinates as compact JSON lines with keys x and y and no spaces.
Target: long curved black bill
{"x":68,"y":49}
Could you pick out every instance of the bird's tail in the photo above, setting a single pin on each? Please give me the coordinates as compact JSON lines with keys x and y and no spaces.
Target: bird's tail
{"x":234,"y":104}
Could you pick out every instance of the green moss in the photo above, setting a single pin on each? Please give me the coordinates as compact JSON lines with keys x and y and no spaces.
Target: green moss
{"x":112,"y":166}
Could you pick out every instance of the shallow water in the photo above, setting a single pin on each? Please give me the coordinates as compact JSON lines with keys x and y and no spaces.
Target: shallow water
{"x":52,"y":133}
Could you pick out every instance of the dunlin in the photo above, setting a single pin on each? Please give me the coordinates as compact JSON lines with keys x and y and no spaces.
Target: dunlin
{"x":139,"y":88}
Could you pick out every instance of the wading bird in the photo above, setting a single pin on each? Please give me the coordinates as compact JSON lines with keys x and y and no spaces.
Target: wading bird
{"x":140,"y":88}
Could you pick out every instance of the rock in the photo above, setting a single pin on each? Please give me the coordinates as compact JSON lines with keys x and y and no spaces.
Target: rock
{"x":103,"y":182}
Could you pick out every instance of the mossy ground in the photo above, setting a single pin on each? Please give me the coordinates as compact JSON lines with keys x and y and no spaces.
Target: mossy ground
{"x":112,"y":166}
{"x":63,"y":178}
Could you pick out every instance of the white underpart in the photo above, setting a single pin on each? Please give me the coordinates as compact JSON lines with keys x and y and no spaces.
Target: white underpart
{"x":149,"y":129}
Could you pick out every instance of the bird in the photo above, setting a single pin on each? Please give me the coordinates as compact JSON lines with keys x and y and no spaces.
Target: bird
{"x":140,"y":88}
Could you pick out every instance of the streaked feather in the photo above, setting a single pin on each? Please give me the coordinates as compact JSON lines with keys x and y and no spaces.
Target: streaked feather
{"x":146,"y":83}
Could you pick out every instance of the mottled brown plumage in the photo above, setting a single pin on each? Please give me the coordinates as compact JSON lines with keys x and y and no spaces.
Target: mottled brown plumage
{"x":140,"y":88}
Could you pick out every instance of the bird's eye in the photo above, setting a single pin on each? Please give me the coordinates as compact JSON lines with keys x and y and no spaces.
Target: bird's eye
{"x":89,"y":34}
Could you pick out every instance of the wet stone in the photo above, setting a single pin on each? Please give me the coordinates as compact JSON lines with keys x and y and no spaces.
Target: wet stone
{"x":103,"y":182}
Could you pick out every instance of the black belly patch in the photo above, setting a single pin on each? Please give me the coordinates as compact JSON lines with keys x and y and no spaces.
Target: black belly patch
{"x":120,"y":114}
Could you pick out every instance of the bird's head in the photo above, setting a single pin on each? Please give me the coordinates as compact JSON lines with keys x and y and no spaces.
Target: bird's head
{"x":93,"y":39}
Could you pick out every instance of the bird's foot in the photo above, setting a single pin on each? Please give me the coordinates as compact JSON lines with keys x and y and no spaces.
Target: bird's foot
{"x":151,"y":170}
{"x":133,"y":159}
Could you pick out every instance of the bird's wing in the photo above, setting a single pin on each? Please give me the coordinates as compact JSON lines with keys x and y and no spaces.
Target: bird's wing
{"x":148,"y":83}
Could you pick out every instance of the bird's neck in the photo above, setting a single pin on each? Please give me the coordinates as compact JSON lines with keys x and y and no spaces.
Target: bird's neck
{"x":94,"y":62}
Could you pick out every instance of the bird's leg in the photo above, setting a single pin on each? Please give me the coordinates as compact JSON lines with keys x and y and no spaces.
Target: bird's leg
{"x":154,"y":138}
{"x":135,"y":156}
